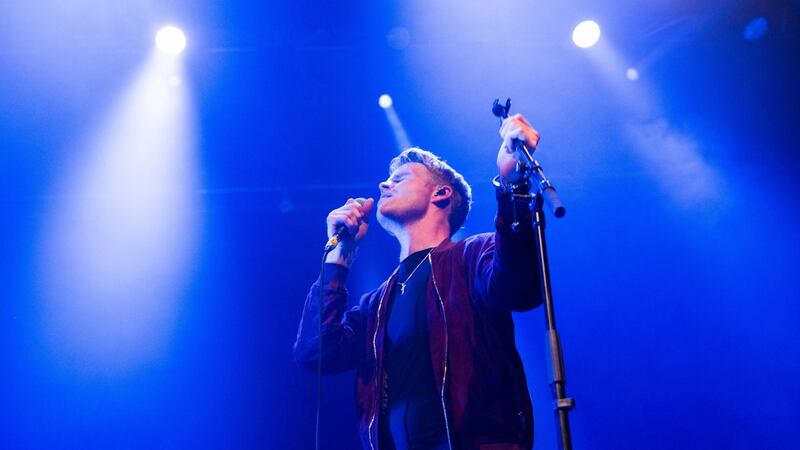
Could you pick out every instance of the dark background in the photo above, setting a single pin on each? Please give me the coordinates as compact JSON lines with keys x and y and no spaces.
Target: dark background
{"x":674,"y":271}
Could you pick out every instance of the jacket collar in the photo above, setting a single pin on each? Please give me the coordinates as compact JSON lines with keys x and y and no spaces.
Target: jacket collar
{"x":443,"y":246}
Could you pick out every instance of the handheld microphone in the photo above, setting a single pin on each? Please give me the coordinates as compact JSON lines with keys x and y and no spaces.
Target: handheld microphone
{"x":340,"y":233}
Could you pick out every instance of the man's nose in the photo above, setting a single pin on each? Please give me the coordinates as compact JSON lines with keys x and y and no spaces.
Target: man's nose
{"x":384,"y":185}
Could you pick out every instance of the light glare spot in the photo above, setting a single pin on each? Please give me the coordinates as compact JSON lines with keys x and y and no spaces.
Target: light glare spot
{"x":632,"y":74}
{"x":171,"y":40}
{"x":586,"y":34}
{"x":385,"y":101}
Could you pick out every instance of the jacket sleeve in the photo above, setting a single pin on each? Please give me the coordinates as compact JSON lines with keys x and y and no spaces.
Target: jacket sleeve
{"x":341,"y":330}
{"x":507,"y":272}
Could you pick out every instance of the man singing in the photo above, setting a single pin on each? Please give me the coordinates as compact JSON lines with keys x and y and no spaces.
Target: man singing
{"x":433,"y":346}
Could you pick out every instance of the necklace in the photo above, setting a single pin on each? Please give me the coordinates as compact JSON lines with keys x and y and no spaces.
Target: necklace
{"x":404,"y":283}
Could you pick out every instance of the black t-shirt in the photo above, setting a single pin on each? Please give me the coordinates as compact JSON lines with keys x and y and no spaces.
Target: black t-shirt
{"x":415,"y":418}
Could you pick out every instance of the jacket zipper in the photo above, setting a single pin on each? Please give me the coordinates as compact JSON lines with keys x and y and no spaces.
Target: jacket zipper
{"x":446,"y":349}
{"x":375,"y":354}
{"x":444,"y":363}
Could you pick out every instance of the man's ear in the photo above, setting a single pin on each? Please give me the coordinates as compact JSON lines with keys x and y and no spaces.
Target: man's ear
{"x":442,"y":194}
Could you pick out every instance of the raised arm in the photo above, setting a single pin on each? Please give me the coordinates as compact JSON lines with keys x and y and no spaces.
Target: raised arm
{"x":507,"y":270}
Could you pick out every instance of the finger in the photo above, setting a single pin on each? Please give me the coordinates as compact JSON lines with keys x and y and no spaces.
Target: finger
{"x":362,"y":205}
{"x":529,"y":135}
{"x":533,"y":138}
{"x":335,"y":219}
{"x":366,"y":208}
{"x":340,"y":216}
{"x":352,"y":225}
{"x":522,"y":119}
{"x":521,"y":125}
{"x":517,"y":134}
{"x":348,"y":206}
{"x":517,"y":118}
{"x":512,"y":125}
{"x":342,"y":219}
{"x":514,"y":138}
{"x":355,"y":210}
{"x":343,"y":211}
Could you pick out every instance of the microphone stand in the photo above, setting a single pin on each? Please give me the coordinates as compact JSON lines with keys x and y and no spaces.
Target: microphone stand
{"x":546,"y":193}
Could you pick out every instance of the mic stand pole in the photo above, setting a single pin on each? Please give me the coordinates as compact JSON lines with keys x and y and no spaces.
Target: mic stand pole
{"x":545,"y":193}
{"x":555,"y":361}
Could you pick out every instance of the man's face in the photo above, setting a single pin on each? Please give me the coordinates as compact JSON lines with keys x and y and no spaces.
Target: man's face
{"x":406,"y":195}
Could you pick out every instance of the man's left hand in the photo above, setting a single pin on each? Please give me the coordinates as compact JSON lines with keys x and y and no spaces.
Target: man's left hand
{"x":514,"y":131}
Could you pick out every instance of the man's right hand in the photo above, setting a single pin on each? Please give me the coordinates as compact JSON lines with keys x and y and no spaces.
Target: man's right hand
{"x":354,"y":215}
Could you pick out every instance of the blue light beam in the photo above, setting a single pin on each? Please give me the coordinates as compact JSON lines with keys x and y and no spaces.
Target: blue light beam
{"x":398,"y":129}
{"x":118,"y":248}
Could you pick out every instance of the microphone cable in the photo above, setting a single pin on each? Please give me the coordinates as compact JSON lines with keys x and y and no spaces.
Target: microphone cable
{"x":329,"y":246}
{"x":319,"y":350}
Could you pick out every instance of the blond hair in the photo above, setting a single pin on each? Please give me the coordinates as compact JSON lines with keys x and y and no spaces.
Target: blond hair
{"x":443,"y":173}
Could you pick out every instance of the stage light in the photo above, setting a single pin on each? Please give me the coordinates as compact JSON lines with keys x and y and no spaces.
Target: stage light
{"x":385,"y":101}
{"x":171,"y":40}
{"x":586,"y":34}
{"x":632,"y":74}
{"x":399,"y":131}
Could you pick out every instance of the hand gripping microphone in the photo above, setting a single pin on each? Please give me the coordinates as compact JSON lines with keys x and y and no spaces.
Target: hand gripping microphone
{"x":340,"y":233}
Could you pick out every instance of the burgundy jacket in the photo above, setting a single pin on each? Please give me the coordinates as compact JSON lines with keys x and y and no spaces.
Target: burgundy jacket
{"x":474,"y":286}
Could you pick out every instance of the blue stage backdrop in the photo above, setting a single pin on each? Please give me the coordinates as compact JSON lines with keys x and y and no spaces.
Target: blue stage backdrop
{"x":162,"y":216}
